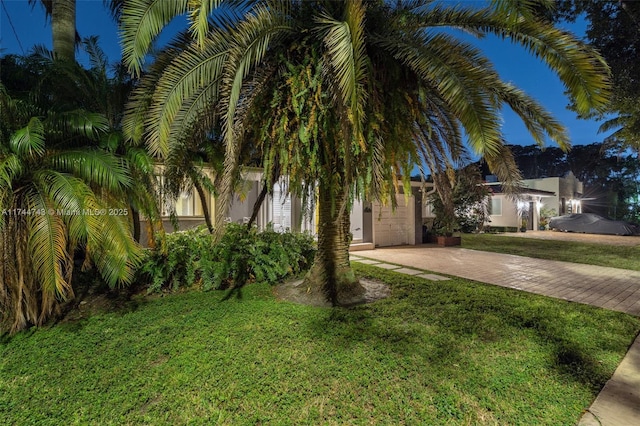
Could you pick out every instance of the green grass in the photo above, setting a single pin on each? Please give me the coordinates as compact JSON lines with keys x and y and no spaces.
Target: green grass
{"x":568,"y":251}
{"x":452,"y":352}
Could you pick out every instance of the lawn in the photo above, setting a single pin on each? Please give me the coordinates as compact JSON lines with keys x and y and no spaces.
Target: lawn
{"x":568,"y":251}
{"x":449,"y":352}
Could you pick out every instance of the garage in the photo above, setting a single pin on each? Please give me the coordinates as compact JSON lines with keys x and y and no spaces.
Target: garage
{"x":394,"y":227}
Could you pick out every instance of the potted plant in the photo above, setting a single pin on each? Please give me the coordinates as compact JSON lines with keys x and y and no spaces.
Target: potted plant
{"x":523,"y":225}
{"x":445,"y":233}
{"x":542,"y":224}
{"x":545,"y":215}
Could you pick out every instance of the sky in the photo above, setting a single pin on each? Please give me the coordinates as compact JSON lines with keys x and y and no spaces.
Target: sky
{"x":22,"y":27}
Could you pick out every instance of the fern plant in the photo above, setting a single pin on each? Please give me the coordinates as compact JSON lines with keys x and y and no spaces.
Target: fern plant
{"x":241,"y":256}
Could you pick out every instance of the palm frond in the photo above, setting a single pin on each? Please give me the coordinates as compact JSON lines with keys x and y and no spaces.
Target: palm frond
{"x":114,"y":252}
{"x":461,"y":76}
{"x":67,"y":196}
{"x":199,"y":16}
{"x":583,"y":71}
{"x":30,"y":140}
{"x":191,"y":73}
{"x":95,"y":167}
{"x":345,"y":45}
{"x":537,"y":120}
{"x":503,"y":165}
{"x":140,"y":99}
{"x":79,"y":122}
{"x":140,"y":23}
{"x":48,"y":251}
{"x":614,"y":123}
{"x":516,"y":10}
{"x":97,"y":57}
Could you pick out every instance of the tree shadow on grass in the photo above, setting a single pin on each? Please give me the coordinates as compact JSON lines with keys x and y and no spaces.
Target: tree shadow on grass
{"x":349,"y":327}
{"x":486,"y":314}
{"x":94,"y":297}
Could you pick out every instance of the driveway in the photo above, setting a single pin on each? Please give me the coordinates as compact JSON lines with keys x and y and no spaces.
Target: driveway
{"x":610,"y":288}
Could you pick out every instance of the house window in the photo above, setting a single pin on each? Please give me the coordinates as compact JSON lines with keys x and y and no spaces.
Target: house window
{"x":184,"y":205}
{"x":428,"y":209}
{"x":495,"y":207}
{"x":281,"y":209}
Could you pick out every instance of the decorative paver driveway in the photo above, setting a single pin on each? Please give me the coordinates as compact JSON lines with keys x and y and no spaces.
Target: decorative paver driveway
{"x":610,"y":288}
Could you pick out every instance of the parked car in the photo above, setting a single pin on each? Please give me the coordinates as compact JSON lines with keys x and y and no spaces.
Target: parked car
{"x":590,"y":223}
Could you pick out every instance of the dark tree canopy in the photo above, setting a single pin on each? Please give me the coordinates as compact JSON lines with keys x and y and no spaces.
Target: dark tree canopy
{"x":614,"y":30}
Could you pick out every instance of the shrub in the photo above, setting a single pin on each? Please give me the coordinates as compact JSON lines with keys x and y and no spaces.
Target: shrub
{"x":242,"y":255}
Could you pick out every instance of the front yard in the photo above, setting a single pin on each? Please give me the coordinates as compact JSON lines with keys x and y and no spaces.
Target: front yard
{"x":452,"y":352}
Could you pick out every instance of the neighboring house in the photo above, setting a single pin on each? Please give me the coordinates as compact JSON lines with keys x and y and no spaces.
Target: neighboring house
{"x":562,"y":195}
{"x":509,"y":212}
{"x":568,"y":193}
{"x":372,"y":224}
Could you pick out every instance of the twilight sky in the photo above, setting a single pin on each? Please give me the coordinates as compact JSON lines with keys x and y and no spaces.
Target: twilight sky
{"x":513,"y":63}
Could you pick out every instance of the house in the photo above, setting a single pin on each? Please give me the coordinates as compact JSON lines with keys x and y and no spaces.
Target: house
{"x":558,"y":195}
{"x":377,"y":224}
{"x":568,"y":193}
{"x":373,"y":224}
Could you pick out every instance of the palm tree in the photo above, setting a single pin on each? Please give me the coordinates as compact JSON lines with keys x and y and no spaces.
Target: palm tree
{"x":63,"y":26}
{"x":57,"y":194}
{"x":104,"y":89}
{"x":345,"y":95}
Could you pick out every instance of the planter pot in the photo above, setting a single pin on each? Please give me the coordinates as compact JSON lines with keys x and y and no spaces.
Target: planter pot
{"x":449,"y":241}
{"x":523,"y":229}
{"x":542,"y":228}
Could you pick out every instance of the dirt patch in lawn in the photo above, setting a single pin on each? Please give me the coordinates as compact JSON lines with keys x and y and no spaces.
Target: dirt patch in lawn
{"x":297,"y":292}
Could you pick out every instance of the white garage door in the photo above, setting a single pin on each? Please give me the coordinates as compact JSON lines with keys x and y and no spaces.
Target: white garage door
{"x":394,"y":228}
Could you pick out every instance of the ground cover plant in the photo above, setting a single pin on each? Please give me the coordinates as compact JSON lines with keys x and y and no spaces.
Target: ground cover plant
{"x":625,"y":257}
{"x":242,"y":255}
{"x":453,"y":352}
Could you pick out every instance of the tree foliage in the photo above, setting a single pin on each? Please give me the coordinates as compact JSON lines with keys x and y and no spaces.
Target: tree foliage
{"x":467,"y":210}
{"x":614,"y":30}
{"x":58,"y":193}
{"x":70,"y":185}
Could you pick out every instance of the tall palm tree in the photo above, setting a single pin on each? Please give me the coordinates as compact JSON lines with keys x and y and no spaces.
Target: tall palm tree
{"x":57,"y":194}
{"x":63,"y":26}
{"x":346,"y":95}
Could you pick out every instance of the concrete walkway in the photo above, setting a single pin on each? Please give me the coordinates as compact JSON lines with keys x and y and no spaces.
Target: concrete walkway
{"x":618,"y":404}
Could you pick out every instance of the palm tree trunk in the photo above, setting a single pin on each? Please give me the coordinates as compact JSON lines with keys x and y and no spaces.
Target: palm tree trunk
{"x":257,"y":205}
{"x":223,"y":200}
{"x":205,"y":205}
{"x":63,"y":28}
{"x":135,"y":217}
{"x":331,"y":276}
